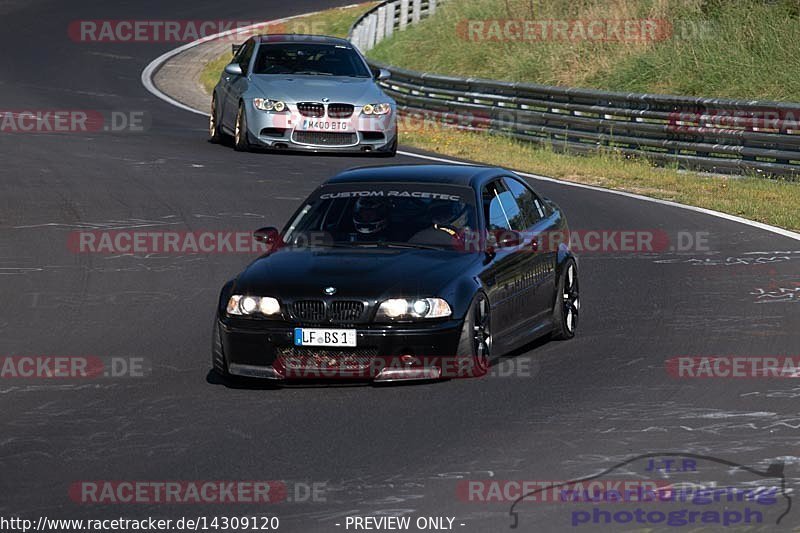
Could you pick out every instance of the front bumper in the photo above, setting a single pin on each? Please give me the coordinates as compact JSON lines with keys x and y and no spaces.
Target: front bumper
{"x":266,"y":350}
{"x":285,"y":131}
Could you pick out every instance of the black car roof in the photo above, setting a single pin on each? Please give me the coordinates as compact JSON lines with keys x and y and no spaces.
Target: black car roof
{"x":466,"y":175}
{"x":302,"y":38}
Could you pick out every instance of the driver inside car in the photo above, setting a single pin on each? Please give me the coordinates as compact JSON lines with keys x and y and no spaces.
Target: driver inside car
{"x":448,"y":225}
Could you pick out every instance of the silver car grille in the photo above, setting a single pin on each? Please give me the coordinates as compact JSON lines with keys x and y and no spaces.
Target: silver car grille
{"x":340,"y":110}
{"x":324,"y":138}
{"x":311,"y":109}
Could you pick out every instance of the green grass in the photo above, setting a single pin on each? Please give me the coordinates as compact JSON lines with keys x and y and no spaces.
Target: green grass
{"x":722,"y":48}
{"x":334,"y":22}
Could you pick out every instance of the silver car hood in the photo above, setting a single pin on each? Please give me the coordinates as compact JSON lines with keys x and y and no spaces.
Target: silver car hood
{"x":357,"y":91}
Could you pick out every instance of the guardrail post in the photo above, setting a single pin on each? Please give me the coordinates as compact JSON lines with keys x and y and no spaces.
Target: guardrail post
{"x":381,"y":30}
{"x":416,"y":14}
{"x":372,"y":21}
{"x":403,"y":14}
{"x":390,"y":19}
{"x":431,"y":7}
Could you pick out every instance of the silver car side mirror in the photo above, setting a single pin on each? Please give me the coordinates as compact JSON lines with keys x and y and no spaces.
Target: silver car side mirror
{"x":383,"y":74}
{"x":234,"y":69}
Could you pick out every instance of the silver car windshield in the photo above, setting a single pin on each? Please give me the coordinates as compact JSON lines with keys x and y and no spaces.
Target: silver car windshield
{"x":311,"y":59}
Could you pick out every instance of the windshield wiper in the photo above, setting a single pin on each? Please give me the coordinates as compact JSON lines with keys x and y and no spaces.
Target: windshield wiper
{"x":313,"y":73}
{"x":379,"y":244}
{"x":398,"y":244}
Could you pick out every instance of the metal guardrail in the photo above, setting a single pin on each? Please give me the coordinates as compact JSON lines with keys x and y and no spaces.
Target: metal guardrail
{"x":711,"y":134}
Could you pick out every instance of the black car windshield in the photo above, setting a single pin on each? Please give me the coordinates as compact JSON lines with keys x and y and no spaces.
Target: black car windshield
{"x":413,"y":215}
{"x":309,"y":58}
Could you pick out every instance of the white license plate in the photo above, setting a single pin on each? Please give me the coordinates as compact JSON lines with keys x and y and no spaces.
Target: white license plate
{"x":310,"y":124}
{"x":324,"y":337}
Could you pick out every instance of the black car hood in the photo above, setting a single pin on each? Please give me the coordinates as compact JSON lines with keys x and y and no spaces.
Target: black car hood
{"x":362,"y":273}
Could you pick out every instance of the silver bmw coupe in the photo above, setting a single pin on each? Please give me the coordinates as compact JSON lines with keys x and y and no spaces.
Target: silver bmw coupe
{"x":303,"y":92}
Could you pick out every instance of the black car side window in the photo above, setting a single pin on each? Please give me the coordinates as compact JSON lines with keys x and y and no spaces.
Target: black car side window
{"x":500,"y":208}
{"x":532,"y":208}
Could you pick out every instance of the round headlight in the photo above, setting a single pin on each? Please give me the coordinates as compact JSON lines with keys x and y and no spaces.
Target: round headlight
{"x":421,"y":307}
{"x":248,"y":305}
{"x":368,"y":109}
{"x":265,"y":104}
{"x":269,"y":306}
{"x":395,"y":307}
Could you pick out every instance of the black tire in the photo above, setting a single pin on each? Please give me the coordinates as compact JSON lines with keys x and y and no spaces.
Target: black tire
{"x":215,"y":134}
{"x":475,"y":344}
{"x":567,"y":305}
{"x":241,"y":143}
{"x":218,"y":361}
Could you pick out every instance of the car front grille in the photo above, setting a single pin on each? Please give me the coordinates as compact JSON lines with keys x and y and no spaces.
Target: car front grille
{"x":295,"y":358}
{"x":345,"y":311}
{"x":340,"y":110}
{"x":320,"y":138}
{"x":309,"y":310}
{"x":338,"y":311}
{"x":311,"y":109}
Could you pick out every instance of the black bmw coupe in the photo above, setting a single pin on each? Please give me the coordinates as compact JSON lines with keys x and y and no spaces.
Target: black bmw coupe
{"x":401,"y":272}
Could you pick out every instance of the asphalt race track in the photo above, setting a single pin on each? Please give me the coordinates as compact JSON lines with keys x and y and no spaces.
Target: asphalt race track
{"x":568,"y":409}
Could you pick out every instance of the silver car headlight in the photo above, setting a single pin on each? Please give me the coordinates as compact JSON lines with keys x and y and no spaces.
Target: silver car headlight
{"x":405,"y":309}
{"x":265,"y":104}
{"x":376,"y":109}
{"x":239,"y":305}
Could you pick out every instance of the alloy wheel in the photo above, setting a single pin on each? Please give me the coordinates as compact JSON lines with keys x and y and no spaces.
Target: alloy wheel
{"x":571,"y":299}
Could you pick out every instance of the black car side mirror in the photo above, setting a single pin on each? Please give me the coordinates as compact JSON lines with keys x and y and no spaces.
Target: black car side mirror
{"x":496,"y":239}
{"x":508,"y":238}
{"x":269,"y":236}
